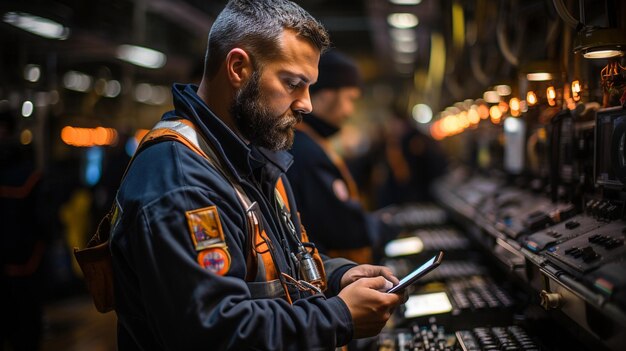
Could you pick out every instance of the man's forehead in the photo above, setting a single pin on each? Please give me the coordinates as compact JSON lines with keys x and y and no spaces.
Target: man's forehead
{"x":298,"y":56}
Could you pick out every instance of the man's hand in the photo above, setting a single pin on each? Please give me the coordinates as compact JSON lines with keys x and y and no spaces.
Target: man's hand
{"x":370,"y":308}
{"x":367,"y":271}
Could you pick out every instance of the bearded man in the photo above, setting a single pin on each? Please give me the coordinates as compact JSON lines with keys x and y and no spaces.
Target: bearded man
{"x":206,"y":243}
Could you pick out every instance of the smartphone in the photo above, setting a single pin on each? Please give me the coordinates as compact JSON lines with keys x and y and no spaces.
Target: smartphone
{"x":418,"y":273}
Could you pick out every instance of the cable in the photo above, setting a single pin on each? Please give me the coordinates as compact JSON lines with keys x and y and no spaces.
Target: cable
{"x":565,"y":15}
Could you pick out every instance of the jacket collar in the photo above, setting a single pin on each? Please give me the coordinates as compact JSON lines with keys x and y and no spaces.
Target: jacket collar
{"x":239,"y":157}
{"x":321,"y":127}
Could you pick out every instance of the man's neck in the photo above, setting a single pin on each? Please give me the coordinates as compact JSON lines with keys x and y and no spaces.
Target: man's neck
{"x":218,"y":101}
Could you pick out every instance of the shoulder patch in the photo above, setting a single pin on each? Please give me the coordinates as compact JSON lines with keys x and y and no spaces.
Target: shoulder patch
{"x":215,"y":260}
{"x":205,"y":228}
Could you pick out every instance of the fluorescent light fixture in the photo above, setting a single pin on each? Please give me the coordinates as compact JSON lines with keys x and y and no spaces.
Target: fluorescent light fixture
{"x":539,"y":76}
{"x":43,"y":27}
{"x":402,"y":20}
{"x":422,"y":113}
{"x":600,"y":54}
{"x":405,"y":2}
{"x":140,"y":56}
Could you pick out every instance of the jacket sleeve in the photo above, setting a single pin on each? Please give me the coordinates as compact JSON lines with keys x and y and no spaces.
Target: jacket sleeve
{"x":161,"y":286}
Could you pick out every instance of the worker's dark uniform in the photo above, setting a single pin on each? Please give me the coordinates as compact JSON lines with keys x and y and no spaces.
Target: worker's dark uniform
{"x":164,"y":298}
{"x":336,"y":222}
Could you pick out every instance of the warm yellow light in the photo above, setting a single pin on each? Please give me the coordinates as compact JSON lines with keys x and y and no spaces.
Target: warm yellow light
{"x":483,"y":111}
{"x":551,"y":95}
{"x":26,"y":137}
{"x":436,"y":132}
{"x":514,"y":104}
{"x":531,"y":98}
{"x":576,"y":90}
{"x":602,"y":54}
{"x":473,"y":116}
{"x":539,"y":76}
{"x":503,"y":106}
{"x":495,"y":113}
{"x":87,"y":137}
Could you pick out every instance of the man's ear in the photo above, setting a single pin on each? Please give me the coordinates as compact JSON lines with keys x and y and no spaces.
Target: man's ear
{"x":238,"y":67}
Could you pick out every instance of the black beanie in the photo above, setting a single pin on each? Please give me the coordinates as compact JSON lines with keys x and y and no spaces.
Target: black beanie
{"x":336,"y":70}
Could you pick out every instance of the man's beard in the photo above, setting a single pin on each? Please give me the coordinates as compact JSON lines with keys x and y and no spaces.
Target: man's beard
{"x":256,"y":122}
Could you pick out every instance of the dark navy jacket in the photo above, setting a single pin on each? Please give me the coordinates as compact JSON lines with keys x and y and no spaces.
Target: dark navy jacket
{"x":332,"y":223}
{"x":165,"y":299}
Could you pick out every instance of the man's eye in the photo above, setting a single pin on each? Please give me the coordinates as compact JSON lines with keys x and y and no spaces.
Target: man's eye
{"x":292,"y":85}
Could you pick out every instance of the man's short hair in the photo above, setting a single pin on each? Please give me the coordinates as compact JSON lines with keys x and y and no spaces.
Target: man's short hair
{"x":256,"y":26}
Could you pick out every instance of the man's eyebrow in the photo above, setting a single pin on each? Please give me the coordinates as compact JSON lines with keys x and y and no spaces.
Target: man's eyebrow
{"x":302,"y":77}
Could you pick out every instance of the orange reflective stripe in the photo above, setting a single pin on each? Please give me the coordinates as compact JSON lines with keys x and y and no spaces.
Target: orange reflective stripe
{"x":168,"y":134}
{"x":283,"y":193}
{"x":261,"y":246}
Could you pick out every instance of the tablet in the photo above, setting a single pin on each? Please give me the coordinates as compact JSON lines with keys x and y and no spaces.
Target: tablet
{"x":418,"y":273}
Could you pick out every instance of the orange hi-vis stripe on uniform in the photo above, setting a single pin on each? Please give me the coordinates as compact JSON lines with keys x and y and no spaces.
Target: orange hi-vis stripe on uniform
{"x":260,"y":245}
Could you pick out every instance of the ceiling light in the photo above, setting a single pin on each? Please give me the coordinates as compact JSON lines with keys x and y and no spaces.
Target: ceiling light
{"x":491,"y":97}
{"x":531,"y":98}
{"x":422,"y":113}
{"x":77,"y":81}
{"x":515,"y":105}
{"x":140,"y":56}
{"x":503,"y":90}
{"x":32,"y":73}
{"x":596,"y":43}
{"x":512,"y":125}
{"x":551,"y":95}
{"x":598,"y":54}
{"x":495,"y":114}
{"x":113,"y":88}
{"x":538,"y":71}
{"x":37,"y":25}
{"x":27,"y":108}
{"x":576,"y":89}
{"x":539,"y":76}
{"x":402,"y":20}
{"x":405,"y":2}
